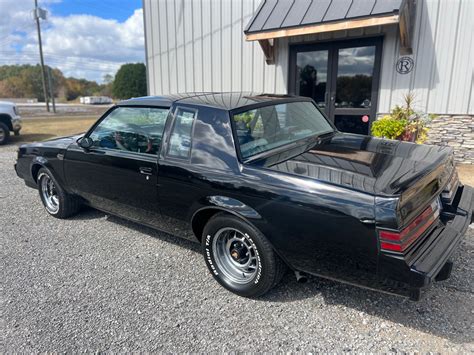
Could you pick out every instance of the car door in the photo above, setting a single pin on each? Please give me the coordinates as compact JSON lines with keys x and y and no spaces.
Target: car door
{"x":119,"y":172}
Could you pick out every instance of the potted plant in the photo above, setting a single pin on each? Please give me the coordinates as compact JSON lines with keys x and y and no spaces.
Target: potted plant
{"x":403,"y":123}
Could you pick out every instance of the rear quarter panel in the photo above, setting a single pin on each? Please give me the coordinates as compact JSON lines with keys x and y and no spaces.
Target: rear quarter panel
{"x":316,"y":227}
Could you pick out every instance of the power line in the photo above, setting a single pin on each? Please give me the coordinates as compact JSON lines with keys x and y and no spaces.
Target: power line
{"x":68,"y":67}
{"x":61,"y":62}
{"x":62,"y":56}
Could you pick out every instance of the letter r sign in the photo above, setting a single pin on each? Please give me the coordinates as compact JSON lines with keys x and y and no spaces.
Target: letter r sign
{"x":405,"y":65}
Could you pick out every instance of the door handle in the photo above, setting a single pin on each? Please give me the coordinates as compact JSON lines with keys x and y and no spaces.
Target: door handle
{"x":145,"y":170}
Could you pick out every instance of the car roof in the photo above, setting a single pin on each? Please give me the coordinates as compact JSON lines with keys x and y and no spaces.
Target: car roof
{"x":223,"y":100}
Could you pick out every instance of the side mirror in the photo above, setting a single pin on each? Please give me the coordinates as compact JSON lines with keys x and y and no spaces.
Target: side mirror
{"x":85,"y":142}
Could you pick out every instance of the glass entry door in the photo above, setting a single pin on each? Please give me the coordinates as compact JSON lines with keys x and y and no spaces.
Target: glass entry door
{"x":342,"y":77}
{"x":312,"y":76}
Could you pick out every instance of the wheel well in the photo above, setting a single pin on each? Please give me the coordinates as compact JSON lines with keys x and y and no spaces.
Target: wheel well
{"x":34,"y":171}
{"x":201,"y":218}
{"x":7,"y":120}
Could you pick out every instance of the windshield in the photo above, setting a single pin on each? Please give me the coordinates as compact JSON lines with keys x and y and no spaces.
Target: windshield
{"x":273,"y":126}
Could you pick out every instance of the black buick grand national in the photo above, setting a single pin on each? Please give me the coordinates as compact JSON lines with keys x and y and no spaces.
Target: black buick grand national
{"x":263,"y":182}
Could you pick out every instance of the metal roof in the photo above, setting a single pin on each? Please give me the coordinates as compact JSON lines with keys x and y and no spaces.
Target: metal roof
{"x":280,"y":14}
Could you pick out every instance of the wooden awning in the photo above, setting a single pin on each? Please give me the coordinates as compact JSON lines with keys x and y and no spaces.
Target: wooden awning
{"x":286,"y":18}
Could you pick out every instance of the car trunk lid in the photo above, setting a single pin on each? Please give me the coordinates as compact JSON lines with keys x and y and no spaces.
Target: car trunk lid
{"x":414,"y":173}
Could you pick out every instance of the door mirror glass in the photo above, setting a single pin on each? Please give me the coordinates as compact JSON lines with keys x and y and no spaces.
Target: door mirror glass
{"x":85,"y":142}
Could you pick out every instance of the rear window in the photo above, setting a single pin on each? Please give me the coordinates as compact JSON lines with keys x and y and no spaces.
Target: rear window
{"x":269,"y":127}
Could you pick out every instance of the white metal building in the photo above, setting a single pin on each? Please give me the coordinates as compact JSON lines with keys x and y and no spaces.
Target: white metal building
{"x":354,"y":57}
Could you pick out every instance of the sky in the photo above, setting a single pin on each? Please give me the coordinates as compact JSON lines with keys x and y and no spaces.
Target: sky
{"x":83,"y":38}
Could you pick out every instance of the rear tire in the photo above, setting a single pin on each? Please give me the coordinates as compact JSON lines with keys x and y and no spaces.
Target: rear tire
{"x":239,"y":257}
{"x":57,"y":202}
{"x":4,"y":133}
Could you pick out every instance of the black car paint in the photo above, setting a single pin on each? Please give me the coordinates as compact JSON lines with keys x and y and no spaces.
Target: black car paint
{"x":318,"y":202}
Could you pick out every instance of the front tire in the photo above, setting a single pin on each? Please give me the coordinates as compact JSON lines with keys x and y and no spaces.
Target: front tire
{"x":57,"y":202}
{"x":4,"y":133}
{"x":239,"y":257}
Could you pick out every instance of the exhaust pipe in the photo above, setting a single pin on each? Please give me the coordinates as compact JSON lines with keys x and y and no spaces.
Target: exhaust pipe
{"x":301,"y":277}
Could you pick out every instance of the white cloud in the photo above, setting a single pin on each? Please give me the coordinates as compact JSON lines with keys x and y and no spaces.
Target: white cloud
{"x":80,"y":45}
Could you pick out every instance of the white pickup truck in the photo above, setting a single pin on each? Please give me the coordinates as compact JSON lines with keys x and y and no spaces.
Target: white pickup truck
{"x":10,"y":121}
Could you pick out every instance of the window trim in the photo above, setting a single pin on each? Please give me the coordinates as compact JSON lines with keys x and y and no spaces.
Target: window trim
{"x":171,"y":130}
{"x":109,"y":112}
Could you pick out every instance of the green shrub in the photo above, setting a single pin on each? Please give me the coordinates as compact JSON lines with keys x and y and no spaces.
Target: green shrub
{"x":387,"y":127}
{"x":403,"y":123}
{"x":130,"y":81}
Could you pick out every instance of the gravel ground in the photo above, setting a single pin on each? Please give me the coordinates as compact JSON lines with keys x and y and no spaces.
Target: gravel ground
{"x":98,"y":283}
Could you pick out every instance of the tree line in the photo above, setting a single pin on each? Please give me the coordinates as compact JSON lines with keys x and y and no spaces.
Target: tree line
{"x":24,"y":81}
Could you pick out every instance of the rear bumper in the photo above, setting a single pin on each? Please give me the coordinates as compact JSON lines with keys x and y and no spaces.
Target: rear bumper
{"x":431,"y":263}
{"x":430,"y":260}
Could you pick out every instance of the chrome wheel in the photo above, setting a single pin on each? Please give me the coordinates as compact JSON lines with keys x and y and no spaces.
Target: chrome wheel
{"x":2,"y":135}
{"x":49,"y":194}
{"x":236,"y":255}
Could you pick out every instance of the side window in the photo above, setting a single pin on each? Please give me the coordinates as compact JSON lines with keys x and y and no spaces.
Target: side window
{"x":181,"y":135}
{"x":134,"y":129}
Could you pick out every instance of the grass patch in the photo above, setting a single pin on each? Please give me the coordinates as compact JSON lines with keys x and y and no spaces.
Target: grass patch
{"x":39,"y":129}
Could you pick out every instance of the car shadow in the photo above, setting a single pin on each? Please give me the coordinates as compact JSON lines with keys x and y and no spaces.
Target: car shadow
{"x":88,"y":213}
{"x":445,"y":310}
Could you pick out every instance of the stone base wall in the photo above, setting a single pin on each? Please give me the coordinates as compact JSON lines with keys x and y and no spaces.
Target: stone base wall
{"x":456,"y":132}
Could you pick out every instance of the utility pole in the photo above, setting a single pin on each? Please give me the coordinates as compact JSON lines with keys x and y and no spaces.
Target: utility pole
{"x":51,"y":89}
{"x":41,"y":12}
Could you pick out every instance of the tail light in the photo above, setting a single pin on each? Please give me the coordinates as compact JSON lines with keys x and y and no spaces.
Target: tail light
{"x":400,"y":241}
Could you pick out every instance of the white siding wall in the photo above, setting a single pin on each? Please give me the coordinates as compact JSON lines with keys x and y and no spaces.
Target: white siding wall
{"x":442,"y":78}
{"x":199,"y":45}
